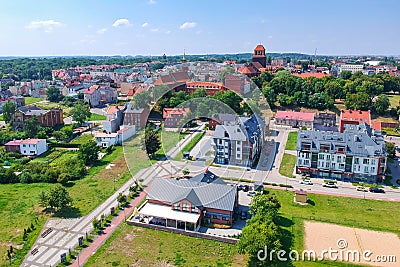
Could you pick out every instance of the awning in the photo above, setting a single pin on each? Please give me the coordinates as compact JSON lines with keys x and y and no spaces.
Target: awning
{"x":166,"y":212}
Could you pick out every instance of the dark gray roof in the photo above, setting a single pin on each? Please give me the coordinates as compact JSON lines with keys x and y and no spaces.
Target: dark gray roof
{"x":207,"y":177}
{"x":200,"y":194}
{"x":224,"y":117}
{"x":246,"y":128}
{"x":131,"y":109}
{"x":357,"y":140}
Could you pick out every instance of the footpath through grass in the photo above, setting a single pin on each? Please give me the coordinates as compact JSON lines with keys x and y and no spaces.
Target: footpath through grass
{"x":189,"y":146}
{"x":135,"y":246}
{"x":292,"y":140}
{"x":287,"y":165}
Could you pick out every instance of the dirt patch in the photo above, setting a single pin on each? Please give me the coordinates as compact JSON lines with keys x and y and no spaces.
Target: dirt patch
{"x":374,"y":248}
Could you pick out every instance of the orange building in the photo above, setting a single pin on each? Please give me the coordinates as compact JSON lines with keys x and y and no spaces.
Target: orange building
{"x":354,"y":117}
{"x":210,"y":87}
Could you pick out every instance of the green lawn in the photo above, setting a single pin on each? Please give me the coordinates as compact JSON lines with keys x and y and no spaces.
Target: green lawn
{"x":135,"y":246}
{"x":287,"y":165}
{"x":54,"y":155}
{"x":189,"y":146}
{"x":18,"y":202}
{"x":1,"y":117}
{"x":82,"y":139}
{"x":97,"y":117}
{"x":292,"y":140}
{"x":391,"y":131}
{"x":31,"y":100}
{"x":394,"y":100}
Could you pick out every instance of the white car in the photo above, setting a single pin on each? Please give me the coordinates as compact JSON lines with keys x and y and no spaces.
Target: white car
{"x":306,"y":182}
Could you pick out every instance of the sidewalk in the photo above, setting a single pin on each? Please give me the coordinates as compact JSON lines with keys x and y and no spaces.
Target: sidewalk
{"x":99,"y":241}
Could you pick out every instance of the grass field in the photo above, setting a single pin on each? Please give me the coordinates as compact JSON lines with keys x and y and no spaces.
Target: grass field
{"x":31,"y":100}
{"x":82,"y":139}
{"x":135,"y":246}
{"x":292,"y":140}
{"x":19,"y":207}
{"x":168,"y":141}
{"x":54,"y":155}
{"x":287,"y":165}
{"x":97,"y":117}
{"x":394,"y":100}
{"x":391,"y":131}
{"x":50,"y":105}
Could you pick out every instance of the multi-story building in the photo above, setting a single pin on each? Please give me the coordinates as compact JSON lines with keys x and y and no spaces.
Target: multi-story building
{"x":135,"y":116}
{"x":354,"y":155}
{"x":92,"y":96}
{"x":294,"y":118}
{"x":27,"y":147}
{"x":209,"y":87}
{"x":239,"y":144}
{"x":354,"y":117}
{"x":47,"y":118}
{"x":173,"y":116}
{"x":353,"y":68}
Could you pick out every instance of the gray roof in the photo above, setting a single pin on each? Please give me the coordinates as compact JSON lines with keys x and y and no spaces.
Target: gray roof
{"x":200,"y":194}
{"x":234,"y":132}
{"x":357,"y":140}
{"x":225,"y":117}
{"x":131,"y":109}
{"x":207,"y":177}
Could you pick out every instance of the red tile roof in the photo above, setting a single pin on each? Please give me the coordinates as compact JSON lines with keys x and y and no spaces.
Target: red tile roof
{"x":294,"y":115}
{"x":377,"y":125}
{"x":114,"y":109}
{"x":311,"y":74}
{"x":13,"y":143}
{"x":167,"y":112}
{"x":259,"y":47}
{"x":31,"y":141}
{"x":356,"y":115}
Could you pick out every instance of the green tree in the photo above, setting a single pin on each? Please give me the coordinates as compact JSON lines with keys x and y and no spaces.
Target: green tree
{"x":152,"y":141}
{"x":391,"y":149}
{"x":53,"y":94}
{"x":269,"y":95}
{"x":231,"y":99}
{"x":60,"y":136}
{"x":59,"y":197}
{"x":185,"y":171}
{"x":159,"y":90}
{"x":142,"y":99}
{"x":358,"y":101}
{"x":80,"y":112}
{"x":31,"y":126}
{"x":88,"y":152}
{"x":265,"y":207}
{"x":225,"y":72}
{"x":381,"y":104}
{"x":8,"y":110}
{"x":43,"y":199}
{"x":346,"y":75}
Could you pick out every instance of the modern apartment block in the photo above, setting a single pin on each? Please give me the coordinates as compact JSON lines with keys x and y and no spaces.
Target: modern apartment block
{"x":357,"y":154}
{"x":239,"y":144}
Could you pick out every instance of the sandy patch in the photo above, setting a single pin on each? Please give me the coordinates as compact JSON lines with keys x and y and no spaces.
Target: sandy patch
{"x":374,"y":248}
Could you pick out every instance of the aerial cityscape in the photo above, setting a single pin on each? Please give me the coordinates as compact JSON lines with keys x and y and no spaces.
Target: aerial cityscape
{"x":188,"y":133}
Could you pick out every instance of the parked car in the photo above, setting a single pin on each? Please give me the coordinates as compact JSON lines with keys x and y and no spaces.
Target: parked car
{"x":306,"y":182}
{"x":376,"y":190}
{"x":245,"y":188}
{"x":240,"y":187}
{"x":330,"y":185}
{"x":251,"y":193}
{"x":362,"y":188}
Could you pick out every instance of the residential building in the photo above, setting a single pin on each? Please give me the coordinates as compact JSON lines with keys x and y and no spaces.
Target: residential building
{"x":113,"y":139}
{"x":47,"y":118}
{"x":174,"y":80}
{"x":223,"y":119}
{"x":353,"y":68}
{"x":210,"y":87}
{"x":295,"y":119}
{"x":238,"y":83}
{"x":135,"y":116}
{"x":354,"y":117}
{"x":114,"y":116}
{"x":239,"y":144}
{"x":186,"y":204}
{"x":325,"y":121}
{"x":172,"y":116}
{"x":356,"y":154}
{"x":27,"y":147}
{"x":92,"y":96}
{"x":108,"y":95}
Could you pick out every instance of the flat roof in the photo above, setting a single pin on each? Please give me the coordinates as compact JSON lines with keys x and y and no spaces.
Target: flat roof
{"x":162,"y":211}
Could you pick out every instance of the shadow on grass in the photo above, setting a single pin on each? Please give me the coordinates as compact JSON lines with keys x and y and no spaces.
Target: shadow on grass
{"x":311,"y":202}
{"x":68,"y":212}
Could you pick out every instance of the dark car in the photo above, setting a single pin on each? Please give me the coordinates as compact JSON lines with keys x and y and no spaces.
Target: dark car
{"x":245,"y":188}
{"x":240,"y":187}
{"x":376,"y":190}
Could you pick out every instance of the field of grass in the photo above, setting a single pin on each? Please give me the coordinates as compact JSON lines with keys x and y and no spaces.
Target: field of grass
{"x":189,"y":146}
{"x":292,"y":140}
{"x":394,"y":100}
{"x":287,"y":165}
{"x":82,"y":139}
{"x":391,"y":131}
{"x":50,"y":105}
{"x":54,"y":155}
{"x":31,"y":100}
{"x":135,"y":246}
{"x":97,"y":117}
{"x":19,"y":207}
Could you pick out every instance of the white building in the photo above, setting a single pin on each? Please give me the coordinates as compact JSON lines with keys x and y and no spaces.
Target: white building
{"x":112,"y":139}
{"x":33,"y":147}
{"x":353,"y":68}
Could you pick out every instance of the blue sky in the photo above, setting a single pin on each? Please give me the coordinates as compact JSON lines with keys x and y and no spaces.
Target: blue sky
{"x":154,"y":27}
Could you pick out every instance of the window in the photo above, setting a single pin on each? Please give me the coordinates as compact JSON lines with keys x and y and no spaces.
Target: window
{"x":307,"y":155}
{"x":195,"y":209}
{"x":215,"y":217}
{"x":366,"y":169}
{"x":327,"y":164}
{"x":300,"y":162}
{"x":373,"y":161}
{"x":238,"y":148}
{"x":372,"y":169}
{"x":366,"y":161}
{"x":356,"y":161}
{"x":321,"y":156}
{"x":225,"y":218}
{"x":333,"y":165}
{"x":176,"y":206}
{"x":328,"y":157}
{"x":185,"y":207}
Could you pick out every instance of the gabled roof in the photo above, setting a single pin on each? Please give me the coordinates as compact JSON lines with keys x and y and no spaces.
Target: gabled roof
{"x":294,"y":115}
{"x":259,"y":47}
{"x":168,"y":112}
{"x":207,"y":177}
{"x":207,"y":195}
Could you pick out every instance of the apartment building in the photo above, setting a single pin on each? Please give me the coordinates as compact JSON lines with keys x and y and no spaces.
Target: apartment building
{"x":357,"y":154}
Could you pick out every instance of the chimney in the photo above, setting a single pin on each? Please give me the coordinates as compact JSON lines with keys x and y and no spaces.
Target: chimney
{"x":355,"y":138}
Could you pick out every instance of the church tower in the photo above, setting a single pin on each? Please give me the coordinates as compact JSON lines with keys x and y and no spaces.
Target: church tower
{"x":259,"y":55}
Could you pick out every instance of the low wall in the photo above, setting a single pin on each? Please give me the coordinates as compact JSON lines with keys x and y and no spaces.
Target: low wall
{"x":193,"y":234}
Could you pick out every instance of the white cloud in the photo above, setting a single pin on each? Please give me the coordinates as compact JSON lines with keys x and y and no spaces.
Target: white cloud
{"x":121,"y":22}
{"x":101,"y":31}
{"x":154,"y":30}
{"x":46,"y":25}
{"x":168,"y":32}
{"x":144,"y":25}
{"x":152,"y":2}
{"x":188,"y":25}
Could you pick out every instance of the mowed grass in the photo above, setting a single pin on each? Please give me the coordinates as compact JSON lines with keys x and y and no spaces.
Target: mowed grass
{"x":394,"y":100}
{"x":287,"y":165}
{"x":292,"y":140}
{"x":189,"y":146}
{"x":19,"y":202}
{"x":31,"y":100}
{"x":135,"y":246}
{"x":82,"y":139}
{"x":97,"y":117}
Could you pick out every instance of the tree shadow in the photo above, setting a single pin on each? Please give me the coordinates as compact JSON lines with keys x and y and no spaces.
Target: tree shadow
{"x":68,"y":212}
{"x":283,"y":221}
{"x":69,"y":184}
{"x":311,"y":202}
